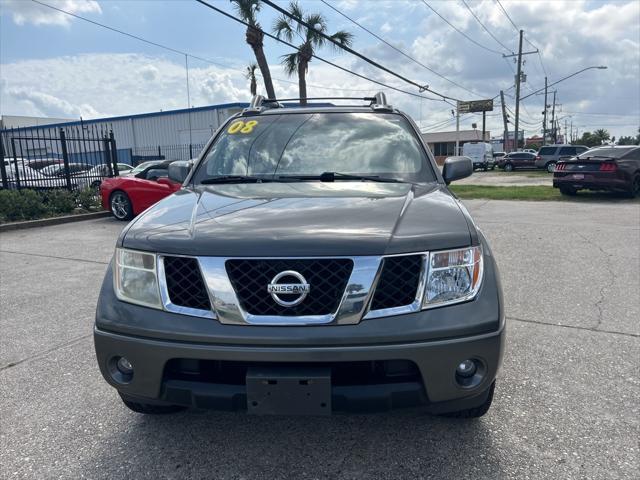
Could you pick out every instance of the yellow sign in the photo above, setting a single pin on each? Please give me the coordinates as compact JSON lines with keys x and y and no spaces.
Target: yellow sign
{"x":242,"y":127}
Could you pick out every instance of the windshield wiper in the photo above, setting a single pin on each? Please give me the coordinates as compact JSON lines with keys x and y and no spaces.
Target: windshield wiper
{"x":235,"y":179}
{"x":333,"y":176}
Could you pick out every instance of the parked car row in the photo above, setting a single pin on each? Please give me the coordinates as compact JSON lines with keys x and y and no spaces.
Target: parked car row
{"x":51,"y":173}
{"x":546,"y":158}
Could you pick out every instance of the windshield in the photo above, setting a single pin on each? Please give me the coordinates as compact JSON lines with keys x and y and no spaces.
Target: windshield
{"x":141,"y":167}
{"x":370,"y":144}
{"x":606,"y":152}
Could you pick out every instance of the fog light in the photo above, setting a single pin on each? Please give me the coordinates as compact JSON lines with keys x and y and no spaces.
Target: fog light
{"x":124,"y":366}
{"x":467,"y":369}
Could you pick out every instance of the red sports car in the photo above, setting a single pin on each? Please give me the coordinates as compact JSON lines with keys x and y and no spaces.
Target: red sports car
{"x":133,"y":193}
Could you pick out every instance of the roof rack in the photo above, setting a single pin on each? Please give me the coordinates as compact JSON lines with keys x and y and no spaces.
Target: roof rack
{"x":259,"y":103}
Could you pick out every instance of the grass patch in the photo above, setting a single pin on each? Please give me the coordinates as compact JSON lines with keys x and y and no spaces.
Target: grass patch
{"x":529,"y":192}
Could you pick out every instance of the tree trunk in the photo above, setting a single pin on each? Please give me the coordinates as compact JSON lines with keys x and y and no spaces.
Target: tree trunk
{"x":302,"y":82}
{"x":254,"y":38}
{"x":254,"y":87}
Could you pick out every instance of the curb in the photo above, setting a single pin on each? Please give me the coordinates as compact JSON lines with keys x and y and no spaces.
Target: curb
{"x":44,"y":222}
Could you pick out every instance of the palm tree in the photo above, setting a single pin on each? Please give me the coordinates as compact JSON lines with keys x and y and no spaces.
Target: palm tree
{"x":284,"y":27}
{"x":251,"y":75}
{"x":601,"y":135}
{"x":247,"y":9}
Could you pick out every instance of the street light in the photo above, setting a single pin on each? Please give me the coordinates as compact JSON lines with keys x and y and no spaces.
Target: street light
{"x":599,"y":67}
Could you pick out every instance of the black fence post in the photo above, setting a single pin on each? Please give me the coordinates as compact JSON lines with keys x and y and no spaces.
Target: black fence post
{"x":65,"y":159}
{"x":190,"y":152}
{"x":15,"y":162}
{"x":114,"y":153}
{"x":107,"y":155}
{"x":159,"y":152}
{"x":3,"y":169}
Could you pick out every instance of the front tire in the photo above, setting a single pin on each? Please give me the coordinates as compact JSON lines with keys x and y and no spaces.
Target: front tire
{"x":149,"y":409}
{"x":551,"y":166}
{"x":475,"y":412}
{"x":508,"y":167}
{"x":120,"y":204}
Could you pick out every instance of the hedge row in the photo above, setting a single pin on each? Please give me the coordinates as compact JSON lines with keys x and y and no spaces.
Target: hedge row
{"x":16,"y":205}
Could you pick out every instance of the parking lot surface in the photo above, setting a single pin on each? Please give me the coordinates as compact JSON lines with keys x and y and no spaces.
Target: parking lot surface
{"x":567,"y":399}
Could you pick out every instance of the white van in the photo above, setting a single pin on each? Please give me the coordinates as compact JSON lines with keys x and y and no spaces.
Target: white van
{"x":481,"y":153}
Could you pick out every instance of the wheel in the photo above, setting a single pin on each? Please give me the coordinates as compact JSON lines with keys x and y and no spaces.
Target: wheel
{"x":485,"y":167}
{"x":121,"y":207}
{"x":96,"y":184}
{"x":476,"y":411}
{"x":568,"y":191}
{"x":634,"y":188}
{"x":493,"y":166}
{"x":508,"y":167}
{"x":551,"y":166}
{"x":150,"y":409}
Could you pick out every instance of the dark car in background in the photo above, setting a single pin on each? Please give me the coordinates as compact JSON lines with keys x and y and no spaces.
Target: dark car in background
{"x":514,"y":160}
{"x":549,"y":155}
{"x":611,"y":168}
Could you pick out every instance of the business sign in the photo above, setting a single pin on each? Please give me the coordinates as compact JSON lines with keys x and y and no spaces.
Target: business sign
{"x":475,"y":106}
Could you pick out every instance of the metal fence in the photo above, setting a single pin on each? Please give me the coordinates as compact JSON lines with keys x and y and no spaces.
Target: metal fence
{"x":73,"y":158}
{"x":165,"y":152}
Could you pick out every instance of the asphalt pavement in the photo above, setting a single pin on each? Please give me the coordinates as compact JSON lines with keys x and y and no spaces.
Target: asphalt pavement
{"x":567,"y":401}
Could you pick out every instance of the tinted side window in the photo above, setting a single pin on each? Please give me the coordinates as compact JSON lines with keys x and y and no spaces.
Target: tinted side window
{"x":547,"y":151}
{"x":567,"y":151}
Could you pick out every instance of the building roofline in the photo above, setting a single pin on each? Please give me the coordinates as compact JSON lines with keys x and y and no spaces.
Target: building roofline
{"x":132,"y":117}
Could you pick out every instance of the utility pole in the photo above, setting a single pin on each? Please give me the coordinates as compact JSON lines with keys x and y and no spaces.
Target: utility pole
{"x":565,"y":131}
{"x":458,"y":128}
{"x":571,"y":135}
{"x":505,"y":137}
{"x":518,"y":78}
{"x":553,"y":118}
{"x":484,"y":120}
{"x":544,"y":117}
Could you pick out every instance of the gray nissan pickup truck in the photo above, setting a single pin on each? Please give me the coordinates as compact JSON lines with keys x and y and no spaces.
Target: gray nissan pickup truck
{"x":313,"y":262}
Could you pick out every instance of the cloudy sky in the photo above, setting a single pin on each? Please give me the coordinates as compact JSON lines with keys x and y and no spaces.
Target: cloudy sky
{"x":56,"y":65}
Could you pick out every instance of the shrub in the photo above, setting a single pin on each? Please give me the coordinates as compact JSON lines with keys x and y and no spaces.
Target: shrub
{"x":88,"y":199}
{"x":21,"y":205}
{"x":59,"y":201}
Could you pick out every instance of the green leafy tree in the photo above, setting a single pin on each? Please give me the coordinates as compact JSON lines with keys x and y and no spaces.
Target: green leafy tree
{"x":601,"y":135}
{"x":298,"y":62}
{"x":588,"y":139}
{"x":251,"y":76}
{"x":248,"y":9}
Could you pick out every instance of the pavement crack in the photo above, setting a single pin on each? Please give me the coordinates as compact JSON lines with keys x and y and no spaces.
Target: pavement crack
{"x":612,"y":275}
{"x":46,"y":352}
{"x":54,"y":257}
{"x":575,"y":327}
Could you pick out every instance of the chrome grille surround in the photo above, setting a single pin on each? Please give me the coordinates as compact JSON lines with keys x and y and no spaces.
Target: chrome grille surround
{"x":353,"y":307}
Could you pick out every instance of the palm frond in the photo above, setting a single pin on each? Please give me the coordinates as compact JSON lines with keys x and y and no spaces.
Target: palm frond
{"x":343,"y":38}
{"x":282,"y":28}
{"x":290,"y":63}
{"x":296,"y":10}
{"x":247,"y":10}
{"x":319,"y":24}
{"x":251,"y":70}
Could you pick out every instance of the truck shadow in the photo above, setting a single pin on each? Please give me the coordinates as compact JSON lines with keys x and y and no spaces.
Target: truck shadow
{"x":202,"y":444}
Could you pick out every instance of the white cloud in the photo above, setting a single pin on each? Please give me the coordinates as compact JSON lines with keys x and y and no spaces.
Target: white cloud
{"x":26,"y":11}
{"x":386,"y":27}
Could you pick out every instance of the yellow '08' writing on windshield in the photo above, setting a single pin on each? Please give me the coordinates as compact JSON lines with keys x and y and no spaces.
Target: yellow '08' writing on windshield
{"x":242,"y":127}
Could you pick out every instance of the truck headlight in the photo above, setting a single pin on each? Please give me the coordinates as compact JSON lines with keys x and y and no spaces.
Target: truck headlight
{"x":136,"y":279}
{"x":453,"y":276}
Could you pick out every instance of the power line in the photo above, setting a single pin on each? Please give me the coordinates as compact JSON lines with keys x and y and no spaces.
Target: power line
{"x":180,"y":52}
{"x":345,"y":48}
{"x":398,"y":50}
{"x":228,"y":15}
{"x":485,"y":28}
{"x":508,"y":17}
{"x":460,"y":31}
{"x":526,"y":40}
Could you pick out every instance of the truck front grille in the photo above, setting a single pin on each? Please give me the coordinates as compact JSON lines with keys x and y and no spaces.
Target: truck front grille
{"x":328,"y":279}
{"x":184,"y":283}
{"x":398,"y":283}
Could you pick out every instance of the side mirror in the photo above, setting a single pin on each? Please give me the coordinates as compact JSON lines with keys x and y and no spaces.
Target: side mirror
{"x":456,"y":168}
{"x":178,"y":171}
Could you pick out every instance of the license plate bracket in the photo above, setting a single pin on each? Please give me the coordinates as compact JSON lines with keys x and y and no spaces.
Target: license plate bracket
{"x":288,"y":390}
{"x":578,"y":176}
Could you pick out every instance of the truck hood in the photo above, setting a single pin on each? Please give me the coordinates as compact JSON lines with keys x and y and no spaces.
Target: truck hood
{"x":302,"y":219}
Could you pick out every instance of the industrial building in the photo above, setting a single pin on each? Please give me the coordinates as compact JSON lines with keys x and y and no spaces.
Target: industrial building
{"x":178,"y":134}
